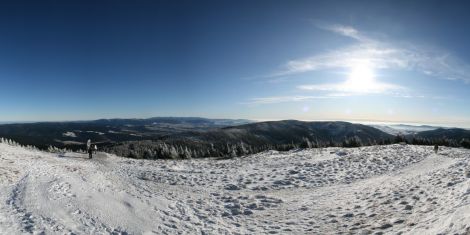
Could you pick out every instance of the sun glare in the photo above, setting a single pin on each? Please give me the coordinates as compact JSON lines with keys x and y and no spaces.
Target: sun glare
{"x":361,"y":78}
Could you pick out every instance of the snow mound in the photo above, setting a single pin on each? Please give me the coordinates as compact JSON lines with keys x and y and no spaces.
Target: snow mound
{"x":379,"y":189}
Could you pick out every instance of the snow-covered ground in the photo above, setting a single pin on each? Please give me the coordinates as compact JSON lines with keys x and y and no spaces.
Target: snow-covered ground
{"x":378,"y":189}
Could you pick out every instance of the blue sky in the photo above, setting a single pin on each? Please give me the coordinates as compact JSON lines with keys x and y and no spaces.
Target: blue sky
{"x":397,"y":61}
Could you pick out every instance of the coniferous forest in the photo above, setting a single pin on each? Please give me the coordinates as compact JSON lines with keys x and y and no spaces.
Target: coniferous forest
{"x":183,"y":138}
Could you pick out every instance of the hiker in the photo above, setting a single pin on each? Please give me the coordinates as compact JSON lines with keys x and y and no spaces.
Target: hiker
{"x":436,"y":148}
{"x":90,"y":152}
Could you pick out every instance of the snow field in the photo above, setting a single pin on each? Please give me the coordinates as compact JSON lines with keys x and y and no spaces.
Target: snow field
{"x":370,"y":190}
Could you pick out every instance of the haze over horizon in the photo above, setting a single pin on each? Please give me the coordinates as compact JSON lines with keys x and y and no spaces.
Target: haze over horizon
{"x":376,"y":61}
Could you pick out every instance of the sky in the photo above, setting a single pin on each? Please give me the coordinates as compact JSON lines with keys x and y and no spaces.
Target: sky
{"x":376,"y":61}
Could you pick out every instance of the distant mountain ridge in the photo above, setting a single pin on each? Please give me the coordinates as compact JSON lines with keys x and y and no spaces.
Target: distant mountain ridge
{"x":450,"y":133}
{"x":171,"y":120}
{"x":286,"y":131}
{"x":279,"y":135}
{"x":73,"y":134}
{"x":253,"y":138}
{"x":183,"y":137}
{"x":404,"y":129}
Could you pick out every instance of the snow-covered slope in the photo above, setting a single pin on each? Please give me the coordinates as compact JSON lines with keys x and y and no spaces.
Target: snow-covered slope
{"x":387,"y":189}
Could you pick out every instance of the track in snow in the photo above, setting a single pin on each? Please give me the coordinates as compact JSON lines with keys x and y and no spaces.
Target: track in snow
{"x":384,"y":189}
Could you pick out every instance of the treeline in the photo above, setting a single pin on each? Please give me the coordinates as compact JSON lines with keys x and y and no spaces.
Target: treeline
{"x":158,"y":149}
{"x":151,"y":149}
{"x":184,"y":149}
{"x":443,"y":141}
{"x":51,"y":149}
{"x":187,"y":148}
{"x":14,"y":143}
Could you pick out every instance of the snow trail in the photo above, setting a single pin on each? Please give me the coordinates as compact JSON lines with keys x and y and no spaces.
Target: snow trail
{"x":378,"y":189}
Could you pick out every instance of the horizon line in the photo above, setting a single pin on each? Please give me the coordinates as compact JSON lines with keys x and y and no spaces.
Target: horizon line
{"x":359,"y":121}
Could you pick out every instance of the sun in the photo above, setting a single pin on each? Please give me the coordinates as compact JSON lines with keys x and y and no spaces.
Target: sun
{"x":361,"y":78}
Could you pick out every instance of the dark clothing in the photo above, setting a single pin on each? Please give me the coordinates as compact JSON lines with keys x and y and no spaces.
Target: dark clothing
{"x":436,"y":148}
{"x":90,"y":153}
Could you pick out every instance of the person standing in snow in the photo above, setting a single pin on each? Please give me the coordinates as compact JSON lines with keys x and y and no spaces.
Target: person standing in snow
{"x":90,"y":152}
{"x":95,"y":148}
{"x":436,"y":148}
{"x":89,"y":149}
{"x":88,"y":145}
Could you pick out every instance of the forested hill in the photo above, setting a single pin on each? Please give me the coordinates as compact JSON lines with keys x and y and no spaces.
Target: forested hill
{"x":451,"y":133}
{"x":74,"y":134}
{"x":292,"y":131}
{"x":454,"y":137}
{"x":253,"y":138}
{"x":173,"y":137}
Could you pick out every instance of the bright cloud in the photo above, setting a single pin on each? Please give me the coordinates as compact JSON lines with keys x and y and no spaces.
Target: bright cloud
{"x":344,"y":30}
{"x":362,"y":61}
{"x":361,"y":80}
{"x":282,"y":99}
{"x":347,"y":89}
{"x":382,"y":55}
{"x":378,"y":58}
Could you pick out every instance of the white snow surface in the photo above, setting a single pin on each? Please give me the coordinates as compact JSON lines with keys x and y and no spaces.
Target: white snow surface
{"x":379,"y":189}
{"x":69,"y":134}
